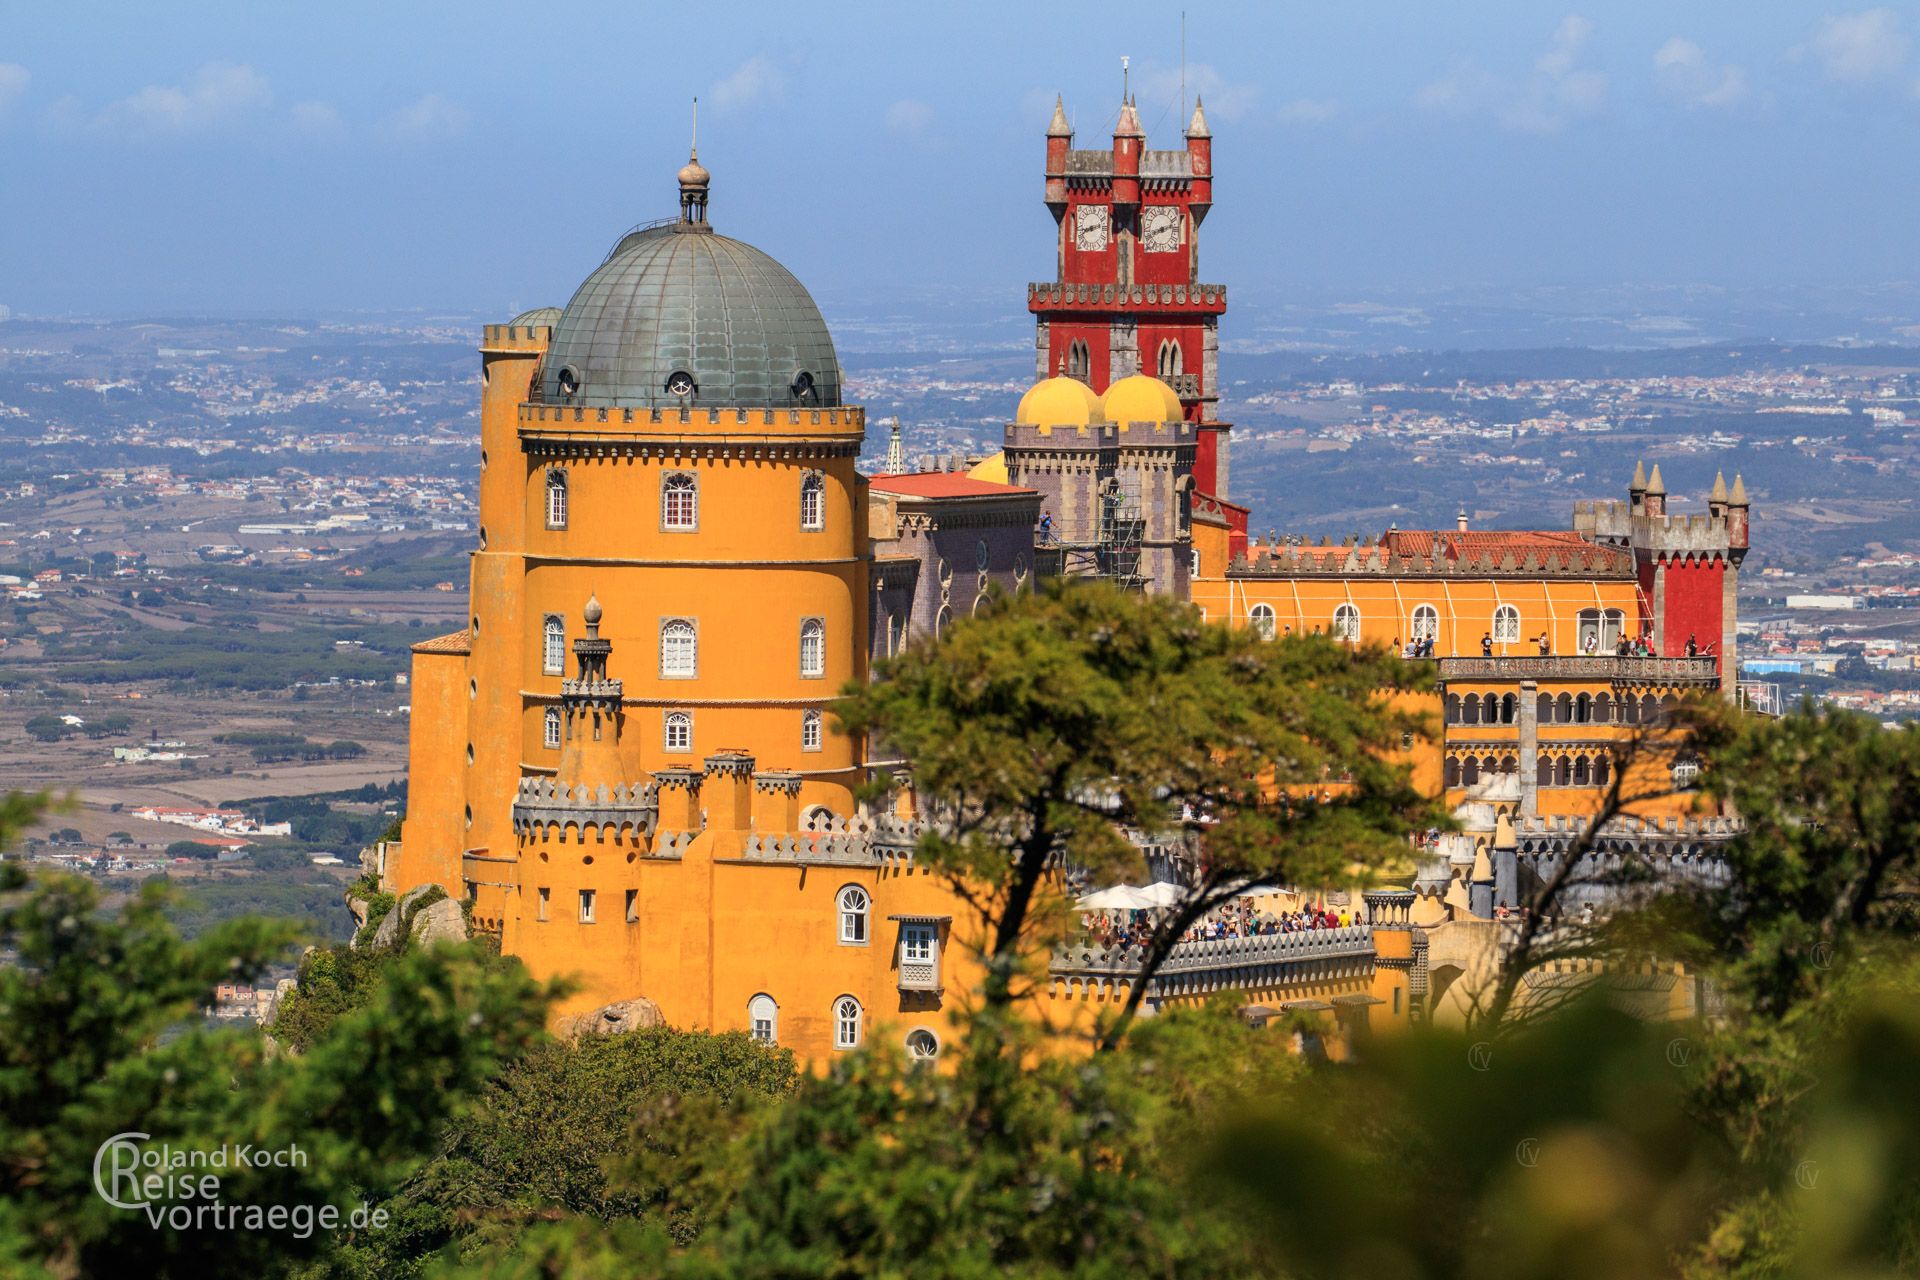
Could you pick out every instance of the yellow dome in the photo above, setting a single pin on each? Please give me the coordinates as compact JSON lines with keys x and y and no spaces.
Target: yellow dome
{"x":1058,"y":402}
{"x":1141,"y":398}
{"x":992,"y":469}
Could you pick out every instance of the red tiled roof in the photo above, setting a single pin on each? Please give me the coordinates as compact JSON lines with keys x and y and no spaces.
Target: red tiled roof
{"x":460,"y":641}
{"x":1556,"y":547}
{"x":942,"y":484}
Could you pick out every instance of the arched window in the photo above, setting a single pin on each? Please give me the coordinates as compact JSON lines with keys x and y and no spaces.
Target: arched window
{"x":763,"y":1019}
{"x":679,"y":654}
{"x":553,"y":646}
{"x":1563,"y":709}
{"x":1426,"y":622}
{"x":1543,"y":710}
{"x":556,"y":499}
{"x":1453,"y":772}
{"x":1453,"y":708}
{"x":1580,"y":772}
{"x":942,"y":620}
{"x":1172,"y":360}
{"x":1346,"y":623}
{"x":854,"y":905}
{"x":810,"y":729}
{"x":1509,"y":709}
{"x":979,"y":603}
{"x":1469,"y":772}
{"x":677,"y":732}
{"x":813,"y":502}
{"x":813,"y":648}
{"x":1470,"y":709}
{"x":1261,"y":617}
{"x":1600,"y":771}
{"x":846,"y":1023}
{"x":1543,"y":774}
{"x":1079,"y":361}
{"x":922,"y":1045}
{"x":1582,"y":709}
{"x":1506,"y":625}
{"x":1562,"y":772}
{"x":551,"y":729}
{"x":1602,"y":709}
{"x":679,"y":502}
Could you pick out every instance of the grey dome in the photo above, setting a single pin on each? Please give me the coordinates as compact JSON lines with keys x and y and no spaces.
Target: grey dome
{"x":676,"y":298}
{"x":538,"y":318}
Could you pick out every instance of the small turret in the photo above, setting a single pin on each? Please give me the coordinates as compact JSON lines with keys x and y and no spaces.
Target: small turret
{"x":1737,"y":513}
{"x":1717,"y":499}
{"x":1197,"y":127}
{"x":1128,"y":139}
{"x":1059,"y":142}
{"x":1200,"y":161}
{"x":1637,"y":490}
{"x":590,"y":708}
{"x":1655,"y":500}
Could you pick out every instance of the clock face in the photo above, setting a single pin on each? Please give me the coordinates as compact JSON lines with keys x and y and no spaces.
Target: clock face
{"x":1160,"y":229}
{"x":1090,"y":228}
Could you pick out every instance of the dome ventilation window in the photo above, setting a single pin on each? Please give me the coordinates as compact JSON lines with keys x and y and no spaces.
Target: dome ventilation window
{"x":680,"y":383}
{"x":569,"y":382}
{"x":802,"y":387}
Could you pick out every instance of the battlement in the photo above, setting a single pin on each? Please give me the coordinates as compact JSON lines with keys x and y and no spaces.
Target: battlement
{"x":1196,"y":965}
{"x":515,"y":337}
{"x":1357,"y":558}
{"x":742,"y":425}
{"x":545,"y":809}
{"x":1665,"y":534}
{"x":1171,"y":299}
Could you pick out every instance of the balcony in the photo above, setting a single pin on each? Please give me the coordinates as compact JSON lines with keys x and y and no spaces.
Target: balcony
{"x":1704,"y":672}
{"x":1053,"y":295}
{"x":1222,"y":963}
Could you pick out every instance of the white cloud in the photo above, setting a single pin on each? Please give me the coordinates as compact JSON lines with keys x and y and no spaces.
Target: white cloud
{"x":219,"y":93}
{"x":754,"y":81}
{"x":1309,"y":111}
{"x":1859,"y":48}
{"x":908,"y":118}
{"x":1557,"y":91}
{"x":1228,"y":100}
{"x":317,"y":121}
{"x":430,"y":118}
{"x":13,"y":84}
{"x":1682,"y":71}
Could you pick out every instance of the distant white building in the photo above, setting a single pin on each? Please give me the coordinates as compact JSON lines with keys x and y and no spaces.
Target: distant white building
{"x":1826,"y":602}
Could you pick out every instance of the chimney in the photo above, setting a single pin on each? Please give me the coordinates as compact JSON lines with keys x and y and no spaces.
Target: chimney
{"x":729,"y":787}
{"x":679,"y":798}
{"x":776,"y":802}
{"x":1460,"y":521}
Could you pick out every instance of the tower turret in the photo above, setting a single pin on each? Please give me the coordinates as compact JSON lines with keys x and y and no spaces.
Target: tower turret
{"x":1637,"y":488}
{"x":1128,"y":140}
{"x":1737,"y":513}
{"x":1200,"y":160}
{"x":1717,"y":499}
{"x":1059,"y":142}
{"x":590,"y":712}
{"x":1654,"y":501}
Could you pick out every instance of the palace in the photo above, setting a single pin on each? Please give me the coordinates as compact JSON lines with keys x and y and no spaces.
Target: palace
{"x":627,"y":764}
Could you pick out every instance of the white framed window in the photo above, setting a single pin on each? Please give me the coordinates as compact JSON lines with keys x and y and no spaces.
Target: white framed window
{"x":922,"y":1045}
{"x":813,"y":502}
{"x":1426,"y":623}
{"x":1346,"y":622}
{"x":813,"y":648}
{"x":679,"y":650}
{"x":1261,"y":618}
{"x":854,"y":909}
{"x":679,"y":502}
{"x":892,"y":639}
{"x":545,"y":896}
{"x":553,"y":646}
{"x":1193,"y":563}
{"x":763,"y":1019}
{"x":556,"y":498}
{"x":1506,"y":625}
{"x":810,"y":730}
{"x":846,"y":1023}
{"x":551,"y":728}
{"x":916,"y":944}
{"x":586,"y":906}
{"x":942,"y":620}
{"x":677,"y":732}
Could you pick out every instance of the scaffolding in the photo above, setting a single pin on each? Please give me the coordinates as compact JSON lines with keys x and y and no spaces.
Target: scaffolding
{"x":1114,"y":553}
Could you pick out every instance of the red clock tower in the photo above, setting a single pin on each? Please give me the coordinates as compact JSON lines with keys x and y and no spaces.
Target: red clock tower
{"x":1128,"y":297}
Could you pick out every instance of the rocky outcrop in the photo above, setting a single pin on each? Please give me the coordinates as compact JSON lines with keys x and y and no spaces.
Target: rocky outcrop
{"x":394,"y":927}
{"x":612,"y":1019}
{"x":440,"y":921}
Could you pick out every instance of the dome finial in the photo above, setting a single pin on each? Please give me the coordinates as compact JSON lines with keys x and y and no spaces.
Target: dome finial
{"x":694,"y":179}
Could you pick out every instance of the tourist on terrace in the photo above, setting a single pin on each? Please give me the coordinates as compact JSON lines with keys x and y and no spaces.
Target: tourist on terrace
{"x":1486,"y":644}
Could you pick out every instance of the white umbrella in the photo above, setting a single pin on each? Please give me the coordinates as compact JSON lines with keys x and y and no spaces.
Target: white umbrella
{"x":1121,"y":897}
{"x":1162,"y":894}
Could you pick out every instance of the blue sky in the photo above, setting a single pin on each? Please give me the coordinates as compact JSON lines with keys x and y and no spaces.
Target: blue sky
{"x":245,"y":157}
